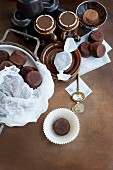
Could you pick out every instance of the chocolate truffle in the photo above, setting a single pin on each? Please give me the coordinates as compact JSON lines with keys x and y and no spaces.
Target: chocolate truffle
{"x":18,"y":66}
{"x":25,"y":70}
{"x":84,"y":49}
{"x":91,"y":18}
{"x":18,"y":58}
{"x":97,"y":50}
{"x":96,"y":36}
{"x":5,"y":63}
{"x":61,"y":127}
{"x":34,"y":79}
{"x":3,"y":56}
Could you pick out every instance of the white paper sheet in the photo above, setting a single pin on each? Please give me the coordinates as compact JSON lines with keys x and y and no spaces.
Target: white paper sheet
{"x":91,"y":63}
{"x":72,"y":88}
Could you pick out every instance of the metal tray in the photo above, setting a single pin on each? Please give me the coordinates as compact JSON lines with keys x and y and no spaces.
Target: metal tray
{"x":11,"y":46}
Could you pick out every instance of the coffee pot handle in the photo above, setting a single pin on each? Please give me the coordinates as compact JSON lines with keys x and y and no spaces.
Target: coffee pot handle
{"x":53,"y":37}
{"x":24,"y":34}
{"x":63,"y":35}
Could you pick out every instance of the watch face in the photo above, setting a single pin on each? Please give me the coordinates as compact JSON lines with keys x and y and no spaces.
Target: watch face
{"x":78,"y":108}
{"x":78,"y":96}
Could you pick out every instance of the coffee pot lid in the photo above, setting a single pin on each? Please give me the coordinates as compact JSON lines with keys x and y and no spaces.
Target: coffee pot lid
{"x":27,"y":1}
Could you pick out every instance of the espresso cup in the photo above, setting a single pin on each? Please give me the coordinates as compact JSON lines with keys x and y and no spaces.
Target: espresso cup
{"x":68,"y":23}
{"x":45,"y":26}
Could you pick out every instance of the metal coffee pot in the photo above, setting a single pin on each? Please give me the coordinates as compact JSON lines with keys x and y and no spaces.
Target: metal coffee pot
{"x":30,"y":8}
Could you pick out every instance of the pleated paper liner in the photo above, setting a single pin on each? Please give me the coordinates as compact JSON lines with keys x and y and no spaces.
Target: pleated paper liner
{"x":55,"y":115}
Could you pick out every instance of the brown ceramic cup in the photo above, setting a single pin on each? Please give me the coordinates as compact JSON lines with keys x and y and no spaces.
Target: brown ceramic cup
{"x":68,"y":23}
{"x":45,"y":26}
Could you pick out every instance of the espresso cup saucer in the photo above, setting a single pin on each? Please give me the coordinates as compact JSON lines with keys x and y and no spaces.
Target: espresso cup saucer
{"x":48,"y":56}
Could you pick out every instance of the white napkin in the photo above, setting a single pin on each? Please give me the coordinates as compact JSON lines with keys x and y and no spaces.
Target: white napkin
{"x":87,"y":65}
{"x":63,"y":60}
{"x":91,"y":63}
{"x":72,"y":88}
{"x":20,"y":104}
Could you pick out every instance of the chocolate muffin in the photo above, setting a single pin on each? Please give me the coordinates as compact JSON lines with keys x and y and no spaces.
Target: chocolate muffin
{"x":34,"y":79}
{"x":84,"y":49}
{"x":91,"y":17}
{"x":96,"y":36}
{"x":97,"y":50}
{"x":61,"y":127}
{"x":18,"y":58}
{"x":3,"y":56}
{"x":5,"y":63}
{"x":25,"y":70}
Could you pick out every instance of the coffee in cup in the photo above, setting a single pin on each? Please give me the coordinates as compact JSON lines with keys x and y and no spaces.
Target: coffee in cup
{"x":68,"y":23}
{"x":45,"y":26}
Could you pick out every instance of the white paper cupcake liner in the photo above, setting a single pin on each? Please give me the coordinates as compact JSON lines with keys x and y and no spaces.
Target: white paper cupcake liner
{"x":57,"y":114}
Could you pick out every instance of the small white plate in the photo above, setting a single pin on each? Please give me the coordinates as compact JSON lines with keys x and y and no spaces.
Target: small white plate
{"x":57,"y":114}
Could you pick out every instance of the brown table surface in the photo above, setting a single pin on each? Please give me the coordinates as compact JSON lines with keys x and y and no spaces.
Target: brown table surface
{"x":27,"y":148}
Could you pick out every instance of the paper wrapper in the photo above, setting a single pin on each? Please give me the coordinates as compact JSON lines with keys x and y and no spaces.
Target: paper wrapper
{"x":63,"y":60}
{"x":72,"y":88}
{"x":55,"y":115}
{"x":18,"y":110}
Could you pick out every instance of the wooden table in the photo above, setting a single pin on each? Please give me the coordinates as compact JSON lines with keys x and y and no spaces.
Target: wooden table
{"x":27,"y":148}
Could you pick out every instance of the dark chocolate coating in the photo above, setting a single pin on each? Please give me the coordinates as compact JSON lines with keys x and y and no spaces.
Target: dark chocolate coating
{"x":25,"y":70}
{"x":84,"y":49}
{"x":96,"y":36}
{"x":97,"y":50}
{"x":61,"y":127}
{"x":20,"y":67}
{"x":5,"y":63}
{"x":90,"y":17}
{"x":34,"y":79}
{"x":3,"y":56}
{"x":18,"y":58}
